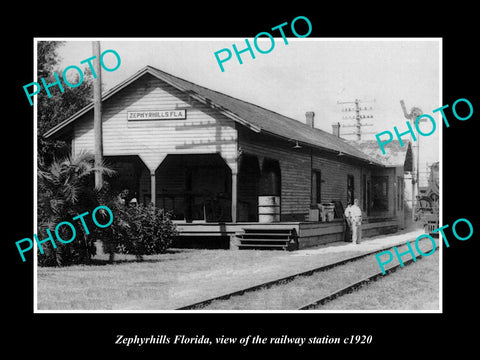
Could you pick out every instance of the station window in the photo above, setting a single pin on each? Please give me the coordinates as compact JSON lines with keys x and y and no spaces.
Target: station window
{"x":399,"y":193}
{"x":350,"y":189}
{"x":380,"y":193}
{"x":364,"y":192}
{"x":316,"y":187}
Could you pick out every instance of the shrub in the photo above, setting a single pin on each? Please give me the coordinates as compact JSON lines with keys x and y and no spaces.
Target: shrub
{"x":78,"y":251}
{"x":143,"y":230}
{"x":66,"y":189}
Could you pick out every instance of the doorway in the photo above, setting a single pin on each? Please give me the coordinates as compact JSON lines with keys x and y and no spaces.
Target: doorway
{"x":195,"y":187}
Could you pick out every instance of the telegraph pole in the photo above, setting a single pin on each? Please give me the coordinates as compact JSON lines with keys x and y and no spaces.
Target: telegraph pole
{"x":357,"y":109}
{"x":97,"y":115}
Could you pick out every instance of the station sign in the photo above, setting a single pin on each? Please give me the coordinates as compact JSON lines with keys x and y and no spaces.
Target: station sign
{"x":178,"y":114}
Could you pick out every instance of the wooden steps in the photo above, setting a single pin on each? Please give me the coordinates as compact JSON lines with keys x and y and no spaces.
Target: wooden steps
{"x":267,"y":239}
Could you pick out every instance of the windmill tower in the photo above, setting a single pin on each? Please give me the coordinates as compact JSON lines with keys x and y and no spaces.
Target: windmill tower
{"x":415,"y":112}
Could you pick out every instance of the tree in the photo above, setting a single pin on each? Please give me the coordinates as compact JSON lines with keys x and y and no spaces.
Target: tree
{"x":65,"y":190}
{"x":60,"y":106}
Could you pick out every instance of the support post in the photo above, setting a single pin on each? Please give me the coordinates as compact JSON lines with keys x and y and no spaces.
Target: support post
{"x":153,"y":197}
{"x":395,"y":191}
{"x":234,"y":197}
{"x":97,"y":115}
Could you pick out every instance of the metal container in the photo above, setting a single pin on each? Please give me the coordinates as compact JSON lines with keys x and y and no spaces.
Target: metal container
{"x":268,"y":208}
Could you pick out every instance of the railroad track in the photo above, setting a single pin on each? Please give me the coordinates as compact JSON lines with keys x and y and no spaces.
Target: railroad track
{"x":357,"y":284}
{"x":318,"y":302}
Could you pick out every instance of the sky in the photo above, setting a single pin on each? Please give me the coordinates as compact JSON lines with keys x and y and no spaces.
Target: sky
{"x":308,"y":74}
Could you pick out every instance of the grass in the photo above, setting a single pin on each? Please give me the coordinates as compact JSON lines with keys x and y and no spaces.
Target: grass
{"x":177,"y":278}
{"x":303,"y":290}
{"x":414,"y":287}
{"x":158,"y":282}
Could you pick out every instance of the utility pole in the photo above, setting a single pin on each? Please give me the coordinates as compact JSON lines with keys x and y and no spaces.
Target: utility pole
{"x":357,"y":109}
{"x":97,"y":115}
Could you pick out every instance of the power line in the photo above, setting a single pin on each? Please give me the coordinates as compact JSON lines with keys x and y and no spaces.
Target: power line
{"x":358,"y":116}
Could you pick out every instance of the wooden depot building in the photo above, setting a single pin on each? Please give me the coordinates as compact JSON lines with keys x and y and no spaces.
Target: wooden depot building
{"x":233,"y":173}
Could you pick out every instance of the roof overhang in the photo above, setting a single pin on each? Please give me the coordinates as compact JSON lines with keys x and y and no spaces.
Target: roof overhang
{"x":61,"y":127}
{"x":64,"y":126}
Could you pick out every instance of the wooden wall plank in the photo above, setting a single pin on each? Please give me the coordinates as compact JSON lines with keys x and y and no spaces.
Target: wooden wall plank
{"x":203,"y":131}
{"x":296,"y":165}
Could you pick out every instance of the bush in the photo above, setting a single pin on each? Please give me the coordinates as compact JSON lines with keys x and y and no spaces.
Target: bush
{"x":78,"y":251}
{"x":142,"y":230}
{"x":66,"y":189}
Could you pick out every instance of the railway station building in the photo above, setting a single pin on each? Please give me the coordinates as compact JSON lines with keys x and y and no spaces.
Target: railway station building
{"x":226,"y":168}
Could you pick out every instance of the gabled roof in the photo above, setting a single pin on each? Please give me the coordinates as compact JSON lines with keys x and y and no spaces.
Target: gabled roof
{"x":252,"y":116}
{"x":395,"y":154}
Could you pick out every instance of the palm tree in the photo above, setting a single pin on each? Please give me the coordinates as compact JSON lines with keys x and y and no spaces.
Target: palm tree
{"x":65,"y":190}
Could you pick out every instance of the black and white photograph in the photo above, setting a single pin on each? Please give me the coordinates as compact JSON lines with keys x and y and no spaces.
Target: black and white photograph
{"x":267,"y":194}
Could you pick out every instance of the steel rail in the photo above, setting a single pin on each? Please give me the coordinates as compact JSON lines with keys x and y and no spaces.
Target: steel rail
{"x":355,"y":285}
{"x":282,"y":280}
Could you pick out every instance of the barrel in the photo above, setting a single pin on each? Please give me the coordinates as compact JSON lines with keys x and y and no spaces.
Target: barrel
{"x":268,"y":208}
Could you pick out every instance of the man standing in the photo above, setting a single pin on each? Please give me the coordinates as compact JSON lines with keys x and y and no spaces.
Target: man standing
{"x":356,"y":219}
